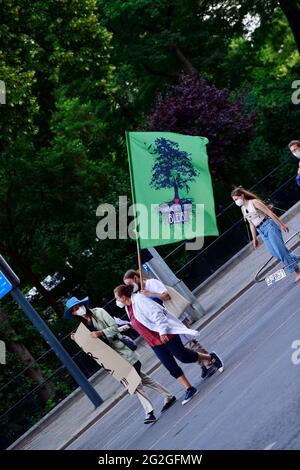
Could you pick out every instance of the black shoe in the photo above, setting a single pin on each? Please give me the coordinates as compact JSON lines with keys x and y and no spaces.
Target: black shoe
{"x":208,"y":371}
{"x":150,"y":418}
{"x":217,"y":361}
{"x":204,"y":372}
{"x":168,"y":404}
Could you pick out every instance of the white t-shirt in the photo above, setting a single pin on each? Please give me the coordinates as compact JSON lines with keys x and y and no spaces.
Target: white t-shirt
{"x":155,"y":286}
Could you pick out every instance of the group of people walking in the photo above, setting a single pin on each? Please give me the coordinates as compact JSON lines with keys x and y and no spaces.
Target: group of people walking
{"x":167,"y":335}
{"x":162,"y":331}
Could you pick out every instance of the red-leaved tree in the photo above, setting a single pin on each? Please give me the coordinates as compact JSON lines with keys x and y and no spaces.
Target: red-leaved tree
{"x":195,"y":107}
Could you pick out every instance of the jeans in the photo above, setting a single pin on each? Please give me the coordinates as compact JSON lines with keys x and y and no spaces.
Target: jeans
{"x":272,"y":237}
{"x":174,"y":347}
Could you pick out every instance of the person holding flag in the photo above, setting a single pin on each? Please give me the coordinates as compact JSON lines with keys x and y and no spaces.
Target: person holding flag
{"x":162,"y":330}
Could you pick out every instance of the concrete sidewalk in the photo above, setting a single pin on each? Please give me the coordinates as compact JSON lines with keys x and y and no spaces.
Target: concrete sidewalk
{"x":75,"y":414}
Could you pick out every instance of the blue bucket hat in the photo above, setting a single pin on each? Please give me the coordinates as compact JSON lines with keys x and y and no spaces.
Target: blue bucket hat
{"x":71,"y":303}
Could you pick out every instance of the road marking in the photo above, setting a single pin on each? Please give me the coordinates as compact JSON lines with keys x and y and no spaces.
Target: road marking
{"x":269,"y":447}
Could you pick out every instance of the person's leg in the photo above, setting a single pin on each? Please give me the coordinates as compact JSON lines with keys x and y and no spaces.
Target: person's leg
{"x":194,"y":345}
{"x":263,"y":232}
{"x":207,"y":369}
{"x":149,"y":382}
{"x":144,"y":399}
{"x":185,"y":355}
{"x":167,"y":359}
{"x":146,"y":404}
{"x":276,"y":246}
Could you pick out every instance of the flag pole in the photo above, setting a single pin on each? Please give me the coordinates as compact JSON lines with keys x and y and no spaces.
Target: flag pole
{"x":134,"y":206}
{"x":140,"y":264}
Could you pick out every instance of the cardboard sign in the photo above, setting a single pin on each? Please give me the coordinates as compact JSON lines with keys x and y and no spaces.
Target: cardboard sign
{"x":108,"y":358}
{"x":177,"y":304}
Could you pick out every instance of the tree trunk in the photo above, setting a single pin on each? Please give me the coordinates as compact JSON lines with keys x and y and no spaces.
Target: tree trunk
{"x":176,"y":190}
{"x":185,"y":64}
{"x":291,"y":9}
{"x":46,"y":391}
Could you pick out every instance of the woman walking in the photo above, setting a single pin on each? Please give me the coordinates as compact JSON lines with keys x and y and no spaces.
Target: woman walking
{"x":103,"y":326}
{"x":262,"y":220}
{"x":162,"y":332}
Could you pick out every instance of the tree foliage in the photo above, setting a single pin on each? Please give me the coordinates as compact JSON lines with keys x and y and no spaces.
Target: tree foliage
{"x":195,"y":107}
{"x":172,"y":168}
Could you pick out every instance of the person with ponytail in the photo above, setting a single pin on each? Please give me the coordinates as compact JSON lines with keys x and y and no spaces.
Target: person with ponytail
{"x":162,"y":330}
{"x":263,"y":221}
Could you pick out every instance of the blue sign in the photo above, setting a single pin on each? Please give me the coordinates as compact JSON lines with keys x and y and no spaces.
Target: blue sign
{"x":146,"y":268}
{"x":5,"y":286}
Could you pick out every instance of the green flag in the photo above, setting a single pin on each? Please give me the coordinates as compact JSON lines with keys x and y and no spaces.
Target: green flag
{"x":171,"y":187}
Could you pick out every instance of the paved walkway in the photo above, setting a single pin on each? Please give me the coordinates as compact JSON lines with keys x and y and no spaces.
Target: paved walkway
{"x":76,"y":413}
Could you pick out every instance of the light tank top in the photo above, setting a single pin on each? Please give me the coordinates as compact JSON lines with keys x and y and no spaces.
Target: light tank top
{"x":252,"y":214}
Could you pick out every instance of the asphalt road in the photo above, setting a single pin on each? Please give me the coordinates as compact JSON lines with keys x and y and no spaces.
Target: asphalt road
{"x":253,"y":404}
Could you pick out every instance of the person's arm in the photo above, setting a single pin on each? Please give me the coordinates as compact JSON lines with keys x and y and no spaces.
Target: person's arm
{"x":254,"y":235}
{"x":265,"y":209}
{"x":163,"y":296}
{"x":157,"y":289}
{"x":109,"y":326}
{"x":299,"y":169}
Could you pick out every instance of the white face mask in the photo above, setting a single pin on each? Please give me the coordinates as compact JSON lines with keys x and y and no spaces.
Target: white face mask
{"x":297,"y":154}
{"x":239,"y":202}
{"x":119,"y":304}
{"x":81,"y":311}
{"x":136,"y":287}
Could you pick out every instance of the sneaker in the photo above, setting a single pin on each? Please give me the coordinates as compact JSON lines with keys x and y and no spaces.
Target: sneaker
{"x":208,"y":371}
{"x":189,"y":394}
{"x":218,"y":363}
{"x":168,"y":404}
{"x":211,"y":371}
{"x":150,"y":418}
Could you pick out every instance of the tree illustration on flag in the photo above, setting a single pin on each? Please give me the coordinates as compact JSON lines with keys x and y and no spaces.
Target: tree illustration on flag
{"x":172,"y":168}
